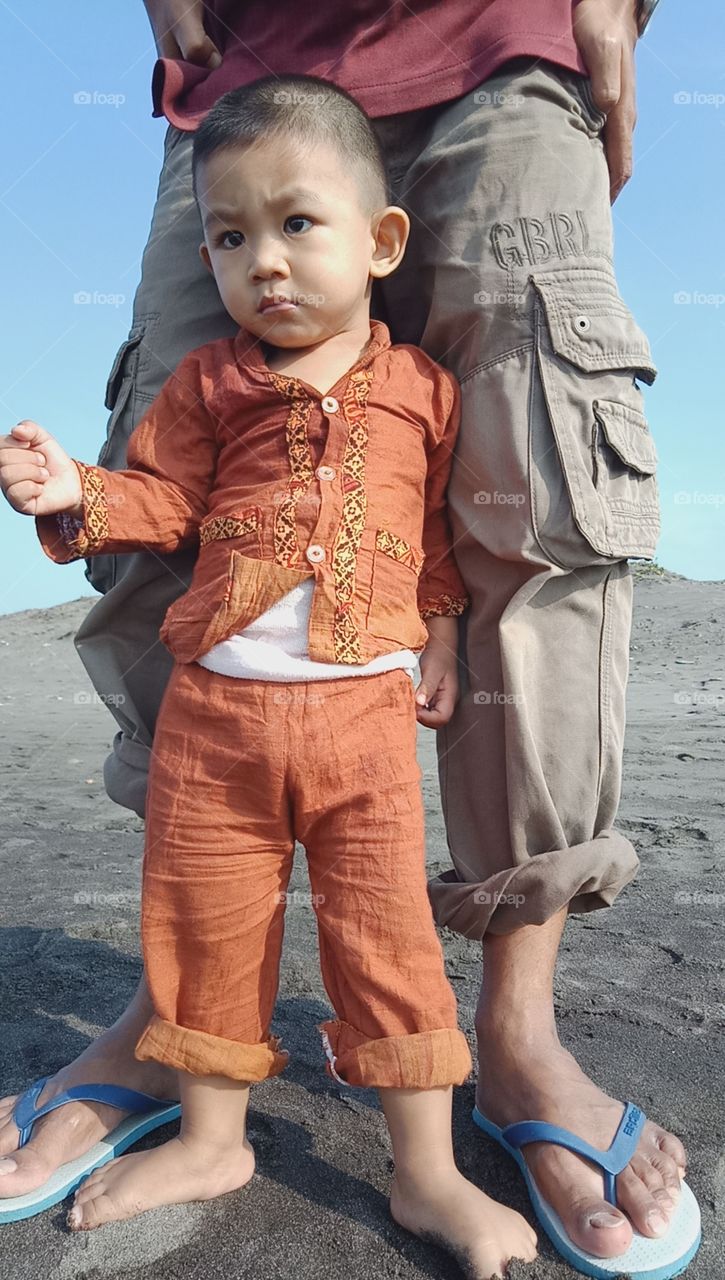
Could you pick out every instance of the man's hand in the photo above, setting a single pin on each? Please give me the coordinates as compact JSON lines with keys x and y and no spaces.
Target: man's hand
{"x":437,"y":692}
{"x":606,"y":35}
{"x":178,"y":27}
{"x":36,"y":475}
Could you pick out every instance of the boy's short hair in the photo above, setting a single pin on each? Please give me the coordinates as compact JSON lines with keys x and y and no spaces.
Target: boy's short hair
{"x":305,"y":109}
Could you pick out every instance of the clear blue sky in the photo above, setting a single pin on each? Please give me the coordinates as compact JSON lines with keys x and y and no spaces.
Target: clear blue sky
{"x":78,"y":188}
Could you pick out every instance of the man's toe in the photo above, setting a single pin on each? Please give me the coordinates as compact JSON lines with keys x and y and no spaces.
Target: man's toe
{"x":645,"y":1210}
{"x":672,"y":1148}
{"x":599,"y":1228}
{"x":31,"y":1170}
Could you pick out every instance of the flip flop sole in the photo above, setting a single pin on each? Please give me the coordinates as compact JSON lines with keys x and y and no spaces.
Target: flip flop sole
{"x":69,"y":1176}
{"x":647,"y":1258}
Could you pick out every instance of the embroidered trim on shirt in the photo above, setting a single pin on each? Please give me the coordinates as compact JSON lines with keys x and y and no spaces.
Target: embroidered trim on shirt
{"x":443,"y":607}
{"x":228,"y":527}
{"x":94,"y":530}
{"x":286,"y":547}
{"x":398,"y":549}
{"x":346,"y":638}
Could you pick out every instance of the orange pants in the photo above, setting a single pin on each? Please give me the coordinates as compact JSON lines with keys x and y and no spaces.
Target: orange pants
{"x":240,"y":769}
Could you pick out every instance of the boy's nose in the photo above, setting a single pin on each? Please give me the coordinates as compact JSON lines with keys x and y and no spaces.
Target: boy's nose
{"x":267,"y":261}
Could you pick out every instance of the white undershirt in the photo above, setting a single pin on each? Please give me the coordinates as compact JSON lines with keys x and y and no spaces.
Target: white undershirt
{"x":274,"y":647}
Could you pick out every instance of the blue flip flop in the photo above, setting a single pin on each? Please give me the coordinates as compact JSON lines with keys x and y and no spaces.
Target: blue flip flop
{"x":646,"y":1258}
{"x":147,"y":1113}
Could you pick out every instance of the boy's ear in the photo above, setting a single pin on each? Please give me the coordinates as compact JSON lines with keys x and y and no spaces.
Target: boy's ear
{"x":390,"y":230}
{"x":204,"y":255}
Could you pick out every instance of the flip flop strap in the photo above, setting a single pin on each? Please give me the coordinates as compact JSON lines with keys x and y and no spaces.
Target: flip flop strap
{"x":26,"y":1113}
{"x":611,"y":1162}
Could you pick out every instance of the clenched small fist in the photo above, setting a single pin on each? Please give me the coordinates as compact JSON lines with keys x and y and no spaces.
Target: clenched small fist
{"x":37,"y":476}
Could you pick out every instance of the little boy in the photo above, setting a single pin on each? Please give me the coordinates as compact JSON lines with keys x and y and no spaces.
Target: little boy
{"x":309,"y":458}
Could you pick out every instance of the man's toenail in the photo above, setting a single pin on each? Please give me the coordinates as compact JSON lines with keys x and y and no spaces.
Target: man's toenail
{"x":656,"y":1221}
{"x":7,"y":1166}
{"x":74,"y":1217}
{"x":605,"y":1220}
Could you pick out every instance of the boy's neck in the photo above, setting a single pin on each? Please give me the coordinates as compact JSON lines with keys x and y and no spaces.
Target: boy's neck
{"x":323,"y":365}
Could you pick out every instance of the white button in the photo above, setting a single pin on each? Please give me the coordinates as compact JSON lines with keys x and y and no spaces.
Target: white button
{"x":330,"y":404}
{"x":326,"y":473}
{"x":315,"y":554}
{"x":582,"y":324}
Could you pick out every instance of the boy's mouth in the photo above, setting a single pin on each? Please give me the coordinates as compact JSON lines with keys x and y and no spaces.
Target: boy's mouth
{"x":276,"y":302}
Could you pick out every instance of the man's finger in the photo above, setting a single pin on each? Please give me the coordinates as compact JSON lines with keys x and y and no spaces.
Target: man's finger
{"x":605,"y":70}
{"x":13,"y":473}
{"x":196,"y":46}
{"x":618,"y":135}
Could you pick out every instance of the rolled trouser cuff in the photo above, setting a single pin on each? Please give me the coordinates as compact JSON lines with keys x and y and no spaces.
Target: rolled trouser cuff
{"x":201,"y":1054}
{"x":125,"y":773}
{"x":422,"y":1060}
{"x":584,"y":877}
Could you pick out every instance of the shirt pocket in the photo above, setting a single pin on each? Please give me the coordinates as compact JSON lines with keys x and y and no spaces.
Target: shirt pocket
{"x":590,"y":353}
{"x":392,"y":612}
{"x":201,"y":616}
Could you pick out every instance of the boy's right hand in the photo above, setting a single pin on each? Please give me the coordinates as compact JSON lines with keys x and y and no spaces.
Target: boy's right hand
{"x":37,"y":476}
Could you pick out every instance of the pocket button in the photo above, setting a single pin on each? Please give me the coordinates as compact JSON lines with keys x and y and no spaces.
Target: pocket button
{"x":582,"y":325}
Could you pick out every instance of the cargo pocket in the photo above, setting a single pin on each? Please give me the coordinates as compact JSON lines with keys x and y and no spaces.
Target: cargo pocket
{"x":594,"y":487}
{"x":392,"y":612}
{"x":101,"y":571}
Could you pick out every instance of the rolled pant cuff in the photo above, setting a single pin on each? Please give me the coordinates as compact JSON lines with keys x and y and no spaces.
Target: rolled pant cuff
{"x":201,"y":1054}
{"x":583,"y":877}
{"x":421,"y":1060}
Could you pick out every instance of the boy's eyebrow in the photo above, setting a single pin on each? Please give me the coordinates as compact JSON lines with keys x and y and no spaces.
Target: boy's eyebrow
{"x":222,"y":213}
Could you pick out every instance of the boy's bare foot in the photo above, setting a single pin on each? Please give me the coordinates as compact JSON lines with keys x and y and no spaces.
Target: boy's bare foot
{"x":447,"y":1210}
{"x":179,"y":1171}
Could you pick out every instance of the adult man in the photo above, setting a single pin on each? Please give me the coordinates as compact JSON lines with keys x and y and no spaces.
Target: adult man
{"x":492,"y":131}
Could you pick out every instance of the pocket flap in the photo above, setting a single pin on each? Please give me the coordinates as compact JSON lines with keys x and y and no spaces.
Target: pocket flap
{"x":590,"y":324}
{"x":627,"y":433}
{"x":118,"y":369}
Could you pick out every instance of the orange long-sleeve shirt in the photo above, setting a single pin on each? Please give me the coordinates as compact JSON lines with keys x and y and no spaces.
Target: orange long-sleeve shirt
{"x":279,"y":483}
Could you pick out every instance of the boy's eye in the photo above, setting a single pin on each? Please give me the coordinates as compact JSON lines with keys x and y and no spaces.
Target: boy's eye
{"x":292,"y":223}
{"x":232,"y":240}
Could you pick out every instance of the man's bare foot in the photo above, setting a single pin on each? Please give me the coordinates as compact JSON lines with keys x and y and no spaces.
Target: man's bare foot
{"x":71,"y":1130}
{"x":526,"y":1082}
{"x":447,"y":1210}
{"x":174,"y":1173}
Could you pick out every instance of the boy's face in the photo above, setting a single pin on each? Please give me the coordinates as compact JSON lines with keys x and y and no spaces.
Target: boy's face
{"x":291,"y":227}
